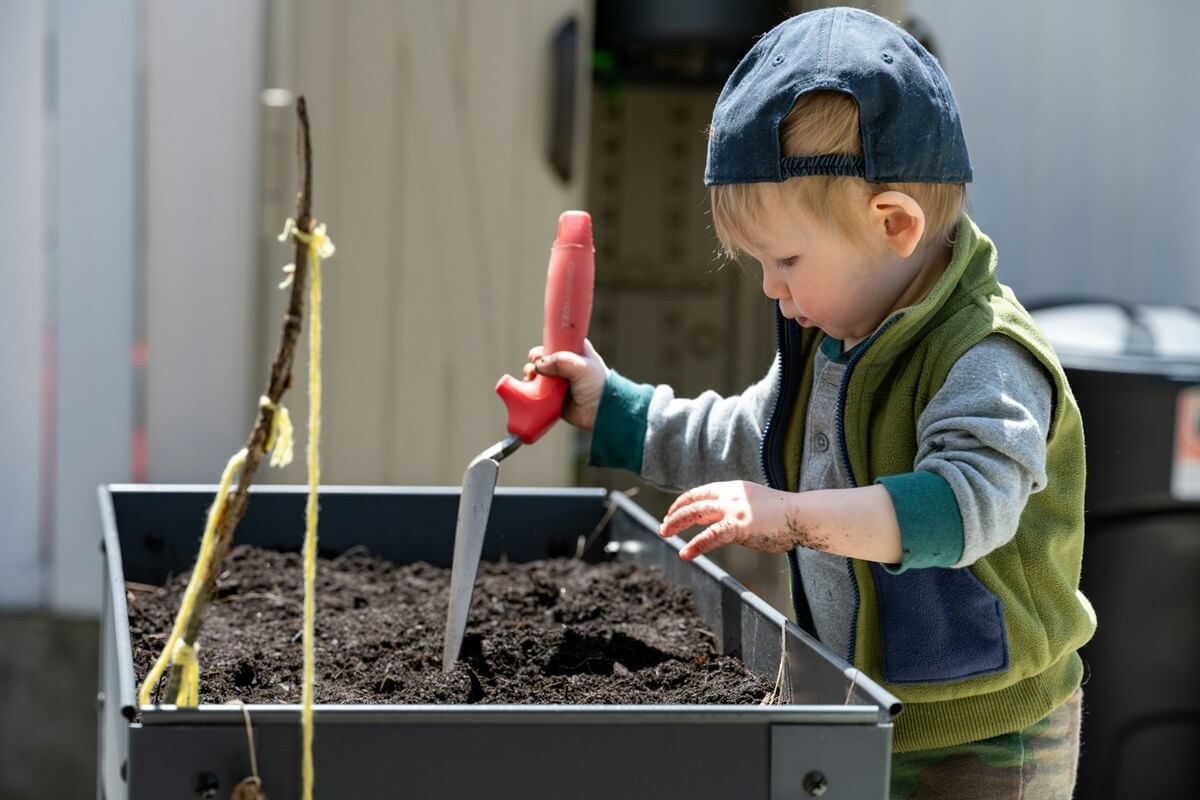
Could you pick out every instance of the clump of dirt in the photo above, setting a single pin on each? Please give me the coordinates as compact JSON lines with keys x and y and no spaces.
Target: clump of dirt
{"x":555,"y":631}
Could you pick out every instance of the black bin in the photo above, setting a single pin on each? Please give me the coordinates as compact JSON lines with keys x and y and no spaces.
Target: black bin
{"x":1135,"y":371}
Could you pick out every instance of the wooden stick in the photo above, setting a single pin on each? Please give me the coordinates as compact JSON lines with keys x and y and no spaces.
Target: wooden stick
{"x":278,"y":382}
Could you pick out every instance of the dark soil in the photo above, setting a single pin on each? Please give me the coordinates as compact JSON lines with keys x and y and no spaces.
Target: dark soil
{"x":558,"y":631}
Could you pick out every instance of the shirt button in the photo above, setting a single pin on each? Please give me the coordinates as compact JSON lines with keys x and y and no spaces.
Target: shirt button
{"x":821,"y":442}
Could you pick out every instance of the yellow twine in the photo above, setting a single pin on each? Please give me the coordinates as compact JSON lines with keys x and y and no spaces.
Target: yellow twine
{"x":207,"y":542}
{"x":281,"y":438}
{"x":319,"y":246}
{"x":185,"y":655}
{"x":178,"y":651}
{"x":317,"y":241}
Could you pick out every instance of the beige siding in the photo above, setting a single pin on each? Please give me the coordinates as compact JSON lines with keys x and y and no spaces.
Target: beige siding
{"x":429,"y":127}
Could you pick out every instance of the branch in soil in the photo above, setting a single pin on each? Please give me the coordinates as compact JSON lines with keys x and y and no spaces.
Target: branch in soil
{"x":279,"y":380}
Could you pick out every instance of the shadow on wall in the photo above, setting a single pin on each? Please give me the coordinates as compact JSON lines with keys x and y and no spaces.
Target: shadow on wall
{"x":48,"y":668}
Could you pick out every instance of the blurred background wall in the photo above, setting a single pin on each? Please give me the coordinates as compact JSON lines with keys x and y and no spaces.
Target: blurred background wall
{"x":146,"y":166}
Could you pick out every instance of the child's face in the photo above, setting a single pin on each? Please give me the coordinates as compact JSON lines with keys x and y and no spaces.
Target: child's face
{"x":818,"y":276}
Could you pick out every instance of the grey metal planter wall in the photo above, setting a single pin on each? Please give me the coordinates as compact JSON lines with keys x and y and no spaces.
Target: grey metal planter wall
{"x":833,"y":742}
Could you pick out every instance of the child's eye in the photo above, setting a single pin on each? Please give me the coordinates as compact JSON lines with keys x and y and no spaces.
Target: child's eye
{"x":784,"y":263}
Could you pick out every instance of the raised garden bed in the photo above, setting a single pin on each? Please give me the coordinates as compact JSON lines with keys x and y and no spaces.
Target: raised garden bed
{"x":393,"y":733}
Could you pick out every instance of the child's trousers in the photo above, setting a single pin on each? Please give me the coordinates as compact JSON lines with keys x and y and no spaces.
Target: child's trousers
{"x":1037,"y":763}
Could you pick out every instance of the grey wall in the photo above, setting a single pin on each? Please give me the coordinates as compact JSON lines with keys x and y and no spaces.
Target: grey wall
{"x":1082,"y":120}
{"x":128,"y":188}
{"x":22,"y":298}
{"x":93,"y":268}
{"x":203,"y":68}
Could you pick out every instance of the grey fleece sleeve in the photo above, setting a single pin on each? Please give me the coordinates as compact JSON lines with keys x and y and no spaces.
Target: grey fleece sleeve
{"x":710,"y":438}
{"x":984,"y":432}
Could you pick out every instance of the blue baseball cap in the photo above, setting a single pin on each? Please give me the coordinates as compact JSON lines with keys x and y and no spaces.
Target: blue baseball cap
{"x":908,"y":117}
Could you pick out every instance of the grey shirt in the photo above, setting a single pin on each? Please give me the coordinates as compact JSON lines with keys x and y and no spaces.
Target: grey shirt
{"x":984,"y":432}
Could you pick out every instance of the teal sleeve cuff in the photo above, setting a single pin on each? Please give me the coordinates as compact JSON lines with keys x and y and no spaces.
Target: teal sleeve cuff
{"x":931,"y":529}
{"x":619,"y":435}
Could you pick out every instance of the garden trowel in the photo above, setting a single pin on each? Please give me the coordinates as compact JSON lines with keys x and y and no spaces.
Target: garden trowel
{"x":533,"y":407}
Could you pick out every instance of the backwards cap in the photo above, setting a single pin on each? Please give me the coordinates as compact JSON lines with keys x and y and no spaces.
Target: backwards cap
{"x":909,"y":119}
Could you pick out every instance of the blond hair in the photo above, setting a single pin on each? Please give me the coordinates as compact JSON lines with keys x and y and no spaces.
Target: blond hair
{"x":821,"y":123}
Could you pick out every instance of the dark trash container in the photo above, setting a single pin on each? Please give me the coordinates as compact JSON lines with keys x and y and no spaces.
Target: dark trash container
{"x":1135,"y":371}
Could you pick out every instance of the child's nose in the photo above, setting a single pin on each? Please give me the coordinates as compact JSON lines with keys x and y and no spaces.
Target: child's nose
{"x":772,"y":285}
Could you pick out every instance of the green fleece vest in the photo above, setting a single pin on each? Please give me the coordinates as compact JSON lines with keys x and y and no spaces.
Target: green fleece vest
{"x":1039,"y":616}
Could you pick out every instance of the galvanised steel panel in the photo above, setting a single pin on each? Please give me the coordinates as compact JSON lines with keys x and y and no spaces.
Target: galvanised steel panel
{"x":839,"y":723}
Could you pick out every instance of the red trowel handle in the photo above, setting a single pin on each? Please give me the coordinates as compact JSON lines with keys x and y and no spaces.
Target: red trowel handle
{"x":533,"y":406}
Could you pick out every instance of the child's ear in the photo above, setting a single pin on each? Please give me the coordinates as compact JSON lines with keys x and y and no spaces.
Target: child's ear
{"x":898,"y":220}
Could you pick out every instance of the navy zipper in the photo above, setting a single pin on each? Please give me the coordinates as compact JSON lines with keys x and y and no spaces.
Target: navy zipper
{"x":774,"y":477}
{"x":770,"y":454}
{"x":841,"y":434}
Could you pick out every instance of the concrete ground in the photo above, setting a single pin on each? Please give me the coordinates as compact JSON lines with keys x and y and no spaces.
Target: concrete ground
{"x":48,"y":680}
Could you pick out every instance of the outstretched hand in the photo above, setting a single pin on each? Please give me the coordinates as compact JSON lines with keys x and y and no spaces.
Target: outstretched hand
{"x":736,"y":512}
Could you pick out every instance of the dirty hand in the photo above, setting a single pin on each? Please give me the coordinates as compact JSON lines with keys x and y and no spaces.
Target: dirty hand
{"x":736,"y":512}
{"x":586,"y":373}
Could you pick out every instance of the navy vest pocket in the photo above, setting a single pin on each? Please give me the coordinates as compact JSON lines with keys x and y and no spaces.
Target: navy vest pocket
{"x":938,"y":625}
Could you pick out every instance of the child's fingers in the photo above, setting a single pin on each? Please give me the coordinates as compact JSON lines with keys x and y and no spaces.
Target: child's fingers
{"x":710,"y":539}
{"x":701,"y":512}
{"x":691,"y":496}
{"x":535,"y":353}
{"x":528,"y":371}
{"x":563,"y":364}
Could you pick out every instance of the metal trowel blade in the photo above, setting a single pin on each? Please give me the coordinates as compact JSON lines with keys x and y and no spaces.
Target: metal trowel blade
{"x":479,"y":485}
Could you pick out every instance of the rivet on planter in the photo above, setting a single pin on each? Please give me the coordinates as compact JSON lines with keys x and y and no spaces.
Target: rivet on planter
{"x":815,"y":783}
